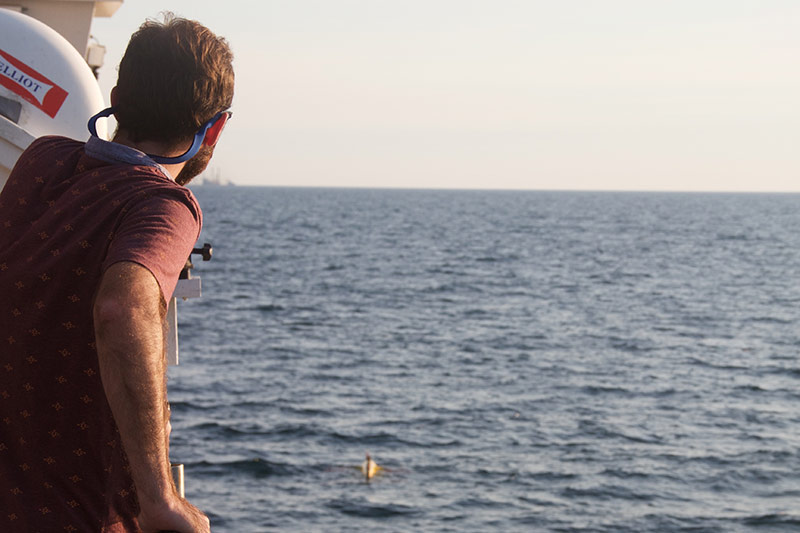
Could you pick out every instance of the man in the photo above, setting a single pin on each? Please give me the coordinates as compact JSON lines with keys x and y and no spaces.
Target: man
{"x":92,"y":239}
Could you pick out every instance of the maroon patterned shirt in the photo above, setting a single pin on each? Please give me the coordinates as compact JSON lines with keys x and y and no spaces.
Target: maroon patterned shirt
{"x":64,"y":219}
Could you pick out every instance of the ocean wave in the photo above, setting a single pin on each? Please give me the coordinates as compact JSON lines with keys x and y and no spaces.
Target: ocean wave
{"x":363,"y":508}
{"x":255,"y":467}
{"x":572,"y":362}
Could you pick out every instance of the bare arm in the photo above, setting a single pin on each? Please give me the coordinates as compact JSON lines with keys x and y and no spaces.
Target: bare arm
{"x":128,"y":322}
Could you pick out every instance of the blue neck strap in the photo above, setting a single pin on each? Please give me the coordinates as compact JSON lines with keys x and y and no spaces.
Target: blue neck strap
{"x":190,"y":153}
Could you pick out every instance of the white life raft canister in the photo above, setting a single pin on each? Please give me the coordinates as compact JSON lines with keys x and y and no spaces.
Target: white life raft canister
{"x":46,"y":87}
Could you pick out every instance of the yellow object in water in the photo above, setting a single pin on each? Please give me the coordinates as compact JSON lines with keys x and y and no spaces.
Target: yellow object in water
{"x":369,"y":468}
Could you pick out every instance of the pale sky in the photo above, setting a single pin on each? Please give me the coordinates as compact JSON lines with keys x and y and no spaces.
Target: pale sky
{"x":503,"y":94}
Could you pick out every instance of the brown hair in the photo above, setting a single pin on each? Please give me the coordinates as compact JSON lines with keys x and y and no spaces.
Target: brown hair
{"x":174,"y":76}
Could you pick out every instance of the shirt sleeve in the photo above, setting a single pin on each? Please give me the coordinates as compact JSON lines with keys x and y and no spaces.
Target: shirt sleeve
{"x":158,"y":234}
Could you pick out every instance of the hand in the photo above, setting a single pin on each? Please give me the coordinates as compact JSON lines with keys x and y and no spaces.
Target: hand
{"x":179,"y":516}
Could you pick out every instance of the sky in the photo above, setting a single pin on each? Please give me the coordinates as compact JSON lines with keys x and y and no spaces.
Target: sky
{"x":681,"y":95}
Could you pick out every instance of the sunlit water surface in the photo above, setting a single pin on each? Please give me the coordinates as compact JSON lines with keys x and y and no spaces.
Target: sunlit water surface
{"x":517,"y":361}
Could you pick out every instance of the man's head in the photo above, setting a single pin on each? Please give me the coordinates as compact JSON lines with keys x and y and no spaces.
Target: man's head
{"x":174,"y":77}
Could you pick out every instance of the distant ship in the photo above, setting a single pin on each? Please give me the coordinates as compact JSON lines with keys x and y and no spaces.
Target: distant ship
{"x":212,"y":178}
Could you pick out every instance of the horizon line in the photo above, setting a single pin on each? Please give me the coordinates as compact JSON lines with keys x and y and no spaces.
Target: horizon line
{"x":492,"y":189}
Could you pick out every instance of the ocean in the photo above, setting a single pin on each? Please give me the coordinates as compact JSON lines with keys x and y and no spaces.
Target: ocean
{"x":516,"y":361}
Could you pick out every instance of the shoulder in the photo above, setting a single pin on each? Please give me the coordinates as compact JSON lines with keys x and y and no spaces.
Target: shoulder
{"x":46,"y":157}
{"x":50,"y":143}
{"x":141,"y":186}
{"x":154,"y":205}
{"x":160,"y":225}
{"x":160,"y":192}
{"x":49,"y":153}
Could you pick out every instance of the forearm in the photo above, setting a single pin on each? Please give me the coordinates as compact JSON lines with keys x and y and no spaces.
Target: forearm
{"x":132,"y":368}
{"x":130,"y":350}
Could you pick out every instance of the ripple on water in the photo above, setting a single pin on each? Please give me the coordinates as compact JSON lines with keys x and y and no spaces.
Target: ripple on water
{"x":575,"y":362}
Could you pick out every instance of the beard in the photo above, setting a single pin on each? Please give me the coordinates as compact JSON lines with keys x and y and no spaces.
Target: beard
{"x":195,"y":165}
